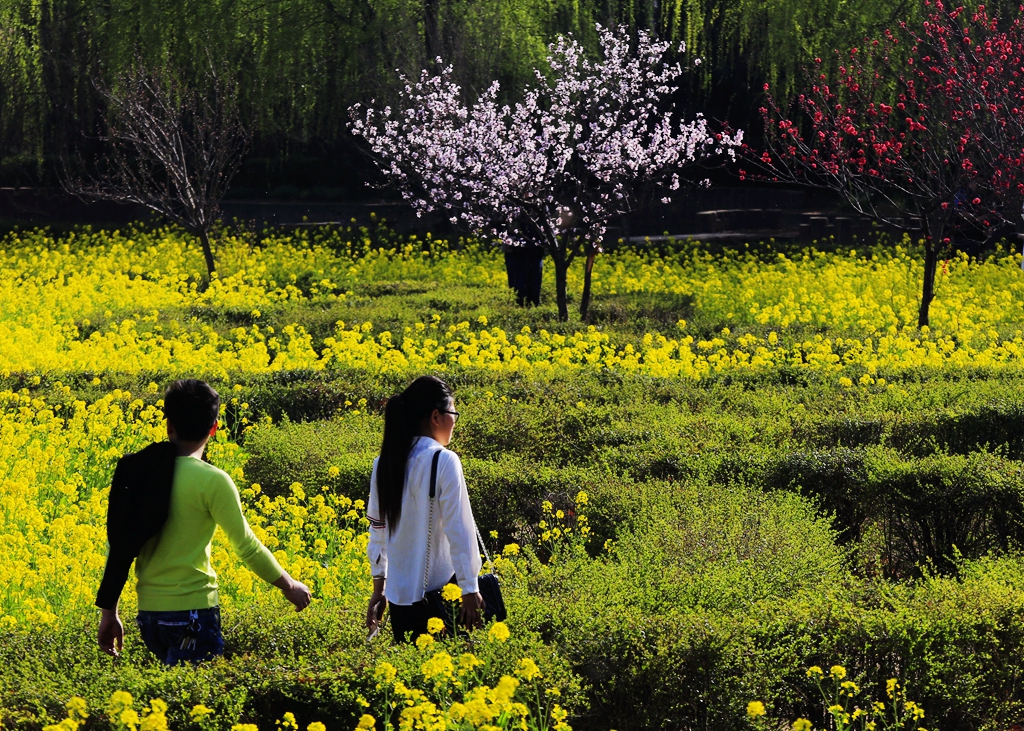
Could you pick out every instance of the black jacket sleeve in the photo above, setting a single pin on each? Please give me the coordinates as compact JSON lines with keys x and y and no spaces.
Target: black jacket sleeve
{"x":140,"y":493}
{"x":119,"y":560}
{"x":115,"y":576}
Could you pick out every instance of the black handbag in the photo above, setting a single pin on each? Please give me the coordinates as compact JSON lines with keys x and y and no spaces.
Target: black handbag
{"x":490,"y":587}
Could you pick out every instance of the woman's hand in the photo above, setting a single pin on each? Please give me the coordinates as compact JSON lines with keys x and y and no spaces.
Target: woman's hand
{"x":375,"y":610}
{"x":471,"y":614}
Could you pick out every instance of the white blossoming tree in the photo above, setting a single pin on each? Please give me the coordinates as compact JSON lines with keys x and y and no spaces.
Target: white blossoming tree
{"x":585,"y":144}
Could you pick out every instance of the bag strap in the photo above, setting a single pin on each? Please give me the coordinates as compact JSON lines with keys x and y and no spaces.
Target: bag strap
{"x":480,"y":540}
{"x":433,"y":474}
{"x":430,"y":517}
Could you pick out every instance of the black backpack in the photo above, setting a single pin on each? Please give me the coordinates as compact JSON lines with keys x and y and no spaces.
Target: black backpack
{"x":140,"y":495}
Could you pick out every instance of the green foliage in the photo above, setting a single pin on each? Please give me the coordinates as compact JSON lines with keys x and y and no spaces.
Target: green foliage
{"x":665,"y":614}
{"x":720,"y":583}
{"x":300,"y":64}
{"x":316,"y":665}
{"x":306,"y":452}
{"x":741,"y":529}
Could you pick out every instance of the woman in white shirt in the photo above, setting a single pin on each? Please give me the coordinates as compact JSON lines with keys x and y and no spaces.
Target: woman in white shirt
{"x":408,"y":558}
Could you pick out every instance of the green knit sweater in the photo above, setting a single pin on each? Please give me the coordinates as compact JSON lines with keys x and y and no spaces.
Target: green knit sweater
{"x":173,"y":569}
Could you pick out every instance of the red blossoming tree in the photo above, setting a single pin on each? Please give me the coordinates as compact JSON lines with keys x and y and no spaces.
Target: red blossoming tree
{"x":905,"y":134}
{"x":984,"y":70}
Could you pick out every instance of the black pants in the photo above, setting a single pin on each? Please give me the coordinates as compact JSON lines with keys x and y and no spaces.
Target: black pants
{"x":410,"y":621}
{"x":525,"y":267}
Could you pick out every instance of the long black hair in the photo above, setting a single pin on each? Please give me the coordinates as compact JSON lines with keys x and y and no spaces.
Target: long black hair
{"x":404,"y":415}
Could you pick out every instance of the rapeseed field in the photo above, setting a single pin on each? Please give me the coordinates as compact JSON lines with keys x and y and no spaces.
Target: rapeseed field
{"x":747,"y":463}
{"x":99,"y":303}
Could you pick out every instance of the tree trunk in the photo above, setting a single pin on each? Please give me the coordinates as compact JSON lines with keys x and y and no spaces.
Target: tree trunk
{"x":204,"y":239}
{"x":587,"y":278}
{"x":431,"y":34}
{"x":931,"y":260}
{"x":561,"y":268}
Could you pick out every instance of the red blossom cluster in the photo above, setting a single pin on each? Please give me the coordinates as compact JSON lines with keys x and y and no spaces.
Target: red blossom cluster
{"x":935,"y":143}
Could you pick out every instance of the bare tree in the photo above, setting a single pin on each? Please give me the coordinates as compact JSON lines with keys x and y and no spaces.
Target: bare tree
{"x":171,"y":148}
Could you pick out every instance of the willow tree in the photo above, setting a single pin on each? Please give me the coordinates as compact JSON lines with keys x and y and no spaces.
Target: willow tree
{"x":300,"y":64}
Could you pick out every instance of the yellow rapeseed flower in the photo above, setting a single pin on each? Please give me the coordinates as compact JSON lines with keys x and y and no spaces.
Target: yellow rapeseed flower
{"x":129,"y":717}
{"x":199,"y":711}
{"x":77,"y":708}
{"x":913,"y":709}
{"x":498,"y":632}
{"x":755,"y":709}
{"x":158,"y":705}
{"x":120,"y":703}
{"x":527,"y":669}
{"x":438,"y":666}
{"x":385,"y":672}
{"x":424,"y":641}
{"x":468,"y":661}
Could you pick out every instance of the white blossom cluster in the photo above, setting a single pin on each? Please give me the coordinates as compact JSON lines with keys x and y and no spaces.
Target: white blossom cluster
{"x":553,"y":168}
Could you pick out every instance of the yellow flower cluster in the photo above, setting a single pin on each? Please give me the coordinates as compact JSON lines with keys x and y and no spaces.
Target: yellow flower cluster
{"x":122,"y":716}
{"x":557,"y":528}
{"x":77,"y":710}
{"x":426,"y":347}
{"x":852,"y":292}
{"x":845,"y":713}
{"x":455,"y":697}
{"x":101,"y":302}
{"x":895,"y":352}
{"x":56,"y":461}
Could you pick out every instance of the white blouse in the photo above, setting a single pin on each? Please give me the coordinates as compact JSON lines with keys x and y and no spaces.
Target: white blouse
{"x":401,"y":556}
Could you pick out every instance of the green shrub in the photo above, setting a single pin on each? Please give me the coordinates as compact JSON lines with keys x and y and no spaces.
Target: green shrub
{"x":316,"y":665}
{"x":663,"y":615}
{"x":955,"y":644}
{"x":928,"y":510}
{"x":305,"y":452}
